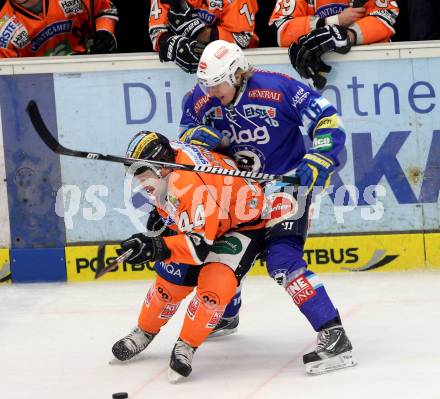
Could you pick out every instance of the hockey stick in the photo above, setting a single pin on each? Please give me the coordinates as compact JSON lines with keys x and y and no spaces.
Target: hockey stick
{"x":101,"y":269}
{"x":55,"y":146}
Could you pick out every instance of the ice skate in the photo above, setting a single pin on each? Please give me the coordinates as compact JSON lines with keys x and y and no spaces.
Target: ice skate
{"x":225,"y":326}
{"x":180,"y":363}
{"x":131,"y":345}
{"x":332,"y":352}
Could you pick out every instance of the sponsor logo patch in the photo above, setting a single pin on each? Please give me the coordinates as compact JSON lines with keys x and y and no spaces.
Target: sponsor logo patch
{"x":57,"y":28}
{"x":220,"y":53}
{"x":150,"y":294}
{"x":299,"y":96}
{"x":265,"y":94}
{"x":192,"y":308}
{"x":262,"y":112}
{"x":71,"y":7}
{"x":200,"y":103}
{"x":259,"y":135}
{"x":7,"y":28}
{"x":216,"y":317}
{"x":168,"y":311}
{"x":280,"y":206}
{"x":323,"y":142}
{"x":300,"y":290}
{"x":21,"y":37}
{"x":229,"y":245}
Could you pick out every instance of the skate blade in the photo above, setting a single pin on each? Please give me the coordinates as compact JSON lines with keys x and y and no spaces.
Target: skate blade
{"x":222,"y":333}
{"x":174,"y":377}
{"x":323,"y":366}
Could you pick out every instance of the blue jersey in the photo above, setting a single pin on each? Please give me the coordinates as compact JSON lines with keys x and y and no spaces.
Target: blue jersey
{"x":263,"y":123}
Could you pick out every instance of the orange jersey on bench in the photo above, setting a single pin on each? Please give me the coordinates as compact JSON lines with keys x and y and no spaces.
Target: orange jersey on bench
{"x":62,"y":28}
{"x":293,"y":19}
{"x":203,"y":207}
{"x":232,"y":18}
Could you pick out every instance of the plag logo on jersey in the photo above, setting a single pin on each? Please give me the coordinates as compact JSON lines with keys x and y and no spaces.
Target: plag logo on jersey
{"x":259,"y":135}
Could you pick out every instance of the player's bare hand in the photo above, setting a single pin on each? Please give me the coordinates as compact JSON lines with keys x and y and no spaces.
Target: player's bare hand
{"x":350,"y":15}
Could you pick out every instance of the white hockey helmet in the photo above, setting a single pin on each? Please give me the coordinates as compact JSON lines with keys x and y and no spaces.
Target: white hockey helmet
{"x":219,"y":63}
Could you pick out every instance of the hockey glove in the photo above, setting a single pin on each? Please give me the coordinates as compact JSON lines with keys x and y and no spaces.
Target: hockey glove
{"x":328,"y":38}
{"x":309,"y":66}
{"x":156,"y":225}
{"x":183,"y":51}
{"x":206,"y":136}
{"x":185,"y":23}
{"x":145,"y":249}
{"x":315,"y":170}
{"x":155,"y":221}
{"x":104,"y":42}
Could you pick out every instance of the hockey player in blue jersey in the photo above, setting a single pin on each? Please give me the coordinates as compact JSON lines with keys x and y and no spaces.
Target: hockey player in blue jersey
{"x":255,"y":116}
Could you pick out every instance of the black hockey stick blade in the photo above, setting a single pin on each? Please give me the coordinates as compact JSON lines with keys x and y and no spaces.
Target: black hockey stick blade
{"x":49,"y":139}
{"x":101,"y":269}
{"x":43,"y":131}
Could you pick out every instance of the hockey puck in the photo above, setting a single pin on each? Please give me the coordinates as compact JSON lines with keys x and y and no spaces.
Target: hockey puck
{"x":120,"y":395}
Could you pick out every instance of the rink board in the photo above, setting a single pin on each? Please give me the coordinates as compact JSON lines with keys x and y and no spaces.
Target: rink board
{"x":81,"y":264}
{"x":378,"y":253}
{"x":432,"y":245}
{"x":5,"y":266}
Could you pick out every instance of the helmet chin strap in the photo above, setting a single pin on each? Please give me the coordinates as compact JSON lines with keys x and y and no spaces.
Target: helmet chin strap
{"x":239,"y":88}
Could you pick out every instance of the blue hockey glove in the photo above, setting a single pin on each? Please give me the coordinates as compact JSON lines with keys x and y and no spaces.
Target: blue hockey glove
{"x":315,"y":169}
{"x":145,"y":249}
{"x":206,"y":136}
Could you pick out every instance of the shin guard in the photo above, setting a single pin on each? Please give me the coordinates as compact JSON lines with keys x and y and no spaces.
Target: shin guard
{"x":162,"y":301}
{"x":217,"y":285}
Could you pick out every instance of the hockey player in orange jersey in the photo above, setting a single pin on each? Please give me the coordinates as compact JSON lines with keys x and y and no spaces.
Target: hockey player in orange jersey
{"x":206,"y":228}
{"x":310,"y":28}
{"x":179,"y":29}
{"x":35,"y":28}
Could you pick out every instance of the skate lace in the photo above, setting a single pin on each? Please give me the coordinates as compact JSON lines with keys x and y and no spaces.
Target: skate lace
{"x":323,"y":340}
{"x":183,"y":352}
{"x":137,"y":340}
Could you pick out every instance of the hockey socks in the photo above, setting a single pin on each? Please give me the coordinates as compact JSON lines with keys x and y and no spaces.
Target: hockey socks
{"x":309,"y":294}
{"x":162,"y":301}
{"x":217,"y":285}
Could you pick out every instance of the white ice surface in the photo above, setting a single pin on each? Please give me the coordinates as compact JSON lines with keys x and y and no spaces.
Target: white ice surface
{"x":56,"y":343}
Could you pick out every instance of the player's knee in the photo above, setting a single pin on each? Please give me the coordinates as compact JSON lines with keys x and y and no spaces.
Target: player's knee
{"x":217,"y":285}
{"x":285,"y":259}
{"x":165,"y":291}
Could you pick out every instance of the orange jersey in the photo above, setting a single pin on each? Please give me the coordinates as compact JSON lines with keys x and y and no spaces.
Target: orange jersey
{"x":202,"y":207}
{"x":234,"y":19}
{"x":293,"y":19}
{"x":62,"y":27}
